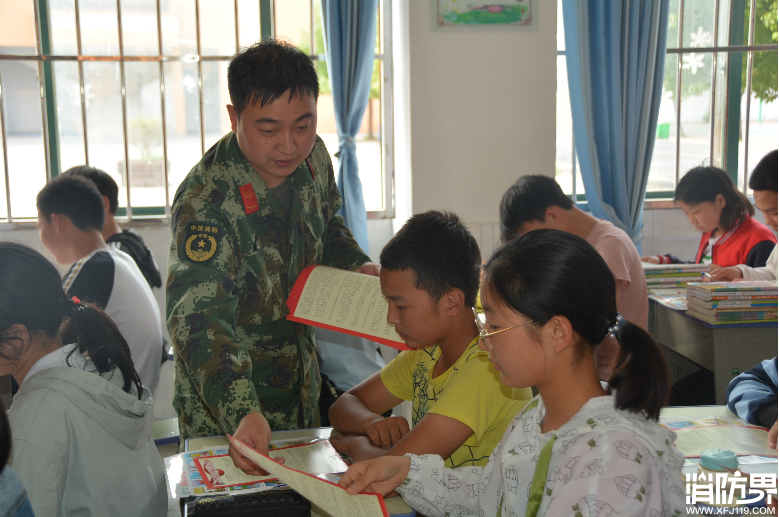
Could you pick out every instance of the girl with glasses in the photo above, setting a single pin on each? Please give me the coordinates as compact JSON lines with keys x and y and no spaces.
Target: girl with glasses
{"x":578,"y":448}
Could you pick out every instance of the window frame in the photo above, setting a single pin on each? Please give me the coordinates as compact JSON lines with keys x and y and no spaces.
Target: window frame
{"x":45,"y":58}
{"x":728,"y":158}
{"x":384,"y":28}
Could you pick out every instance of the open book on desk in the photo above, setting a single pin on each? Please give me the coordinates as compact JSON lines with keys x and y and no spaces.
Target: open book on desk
{"x":696,"y":434}
{"x":329,"y":496}
{"x":343,"y":301}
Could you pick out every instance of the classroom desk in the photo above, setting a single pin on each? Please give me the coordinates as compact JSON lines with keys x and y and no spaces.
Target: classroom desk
{"x":691,"y":467}
{"x":721,"y":350}
{"x":395,"y":505}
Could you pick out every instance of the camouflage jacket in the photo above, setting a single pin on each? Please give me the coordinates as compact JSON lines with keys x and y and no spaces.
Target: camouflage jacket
{"x":229,"y":276}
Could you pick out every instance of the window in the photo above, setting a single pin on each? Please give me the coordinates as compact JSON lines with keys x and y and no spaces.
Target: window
{"x":138,"y":88}
{"x":722,"y":58}
{"x":300,"y":22}
{"x":566,"y":161}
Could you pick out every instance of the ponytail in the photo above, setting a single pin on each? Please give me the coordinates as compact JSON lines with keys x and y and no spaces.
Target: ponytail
{"x":97,"y":337}
{"x":641,"y":376}
{"x":31,"y":295}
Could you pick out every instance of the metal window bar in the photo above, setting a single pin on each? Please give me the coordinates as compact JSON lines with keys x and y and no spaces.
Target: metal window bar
{"x":162,"y":109}
{"x":750,"y":58}
{"x":713,"y":83}
{"x":200,"y":79}
{"x":388,"y":164}
{"x":237,"y":38}
{"x":127,"y":181}
{"x":679,"y":92}
{"x":311,"y":38}
{"x":82,"y":89}
{"x":42,"y":93}
{"x":9,"y":217}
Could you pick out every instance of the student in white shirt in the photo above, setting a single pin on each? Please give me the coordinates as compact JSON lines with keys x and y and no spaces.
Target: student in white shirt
{"x":81,"y":421}
{"x":70,"y":221}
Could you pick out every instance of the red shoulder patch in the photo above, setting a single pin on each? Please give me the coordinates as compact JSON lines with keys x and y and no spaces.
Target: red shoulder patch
{"x":249,"y":199}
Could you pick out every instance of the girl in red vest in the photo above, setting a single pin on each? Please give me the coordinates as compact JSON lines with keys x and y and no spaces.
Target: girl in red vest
{"x":715,"y":207}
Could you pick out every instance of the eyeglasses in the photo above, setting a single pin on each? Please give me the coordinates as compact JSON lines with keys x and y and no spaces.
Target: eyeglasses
{"x":481,"y":320}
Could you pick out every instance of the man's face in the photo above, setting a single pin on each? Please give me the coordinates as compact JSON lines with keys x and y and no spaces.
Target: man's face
{"x":766,"y":202}
{"x":277,"y":137}
{"x":416,"y":316}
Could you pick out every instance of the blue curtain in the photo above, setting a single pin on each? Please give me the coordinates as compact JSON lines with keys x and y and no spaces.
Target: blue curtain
{"x":615,"y":54}
{"x":350,"y":38}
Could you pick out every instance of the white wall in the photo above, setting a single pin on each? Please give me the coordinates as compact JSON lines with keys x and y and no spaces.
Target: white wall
{"x":482,"y":111}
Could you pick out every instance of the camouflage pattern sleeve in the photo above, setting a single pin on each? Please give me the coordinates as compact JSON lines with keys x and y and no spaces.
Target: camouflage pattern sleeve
{"x":202,"y":304}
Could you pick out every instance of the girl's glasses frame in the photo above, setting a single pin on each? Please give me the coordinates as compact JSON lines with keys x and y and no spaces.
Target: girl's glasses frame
{"x":483,"y":334}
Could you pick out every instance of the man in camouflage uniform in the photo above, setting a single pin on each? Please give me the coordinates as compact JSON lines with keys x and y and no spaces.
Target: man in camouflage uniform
{"x":258,"y":208}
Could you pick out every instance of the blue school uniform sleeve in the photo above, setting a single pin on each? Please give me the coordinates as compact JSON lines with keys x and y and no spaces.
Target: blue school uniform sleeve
{"x":753,"y":394}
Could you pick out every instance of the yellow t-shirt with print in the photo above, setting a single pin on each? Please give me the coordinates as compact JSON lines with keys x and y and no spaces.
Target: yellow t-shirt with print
{"x":470,"y":392}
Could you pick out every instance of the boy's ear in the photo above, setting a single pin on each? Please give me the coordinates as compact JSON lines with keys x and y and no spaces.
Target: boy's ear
{"x":106,"y":204}
{"x":57,"y":222}
{"x":455,"y":301}
{"x":560,"y":333}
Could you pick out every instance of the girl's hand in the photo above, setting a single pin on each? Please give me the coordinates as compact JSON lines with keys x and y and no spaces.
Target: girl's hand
{"x":772,"y":436}
{"x":381,"y":475}
{"x":652,"y":259}
{"x":725,"y":274}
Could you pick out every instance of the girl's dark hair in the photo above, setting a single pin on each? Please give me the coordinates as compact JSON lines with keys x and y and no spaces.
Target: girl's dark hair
{"x":31,"y":295}
{"x":704,"y":184}
{"x":546,"y":273}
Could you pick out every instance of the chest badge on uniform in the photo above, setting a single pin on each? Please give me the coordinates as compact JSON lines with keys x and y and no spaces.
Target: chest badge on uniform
{"x":249,"y":199}
{"x":202,"y":241}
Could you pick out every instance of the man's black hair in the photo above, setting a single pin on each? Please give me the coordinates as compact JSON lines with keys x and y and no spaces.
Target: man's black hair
{"x":764,"y":175}
{"x":75,"y":197}
{"x":527,"y":200}
{"x":438,"y":248}
{"x":265,"y":71}
{"x":104,"y":182}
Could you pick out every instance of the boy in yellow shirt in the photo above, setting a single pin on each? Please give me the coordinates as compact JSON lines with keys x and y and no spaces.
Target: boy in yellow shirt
{"x":430,"y":277}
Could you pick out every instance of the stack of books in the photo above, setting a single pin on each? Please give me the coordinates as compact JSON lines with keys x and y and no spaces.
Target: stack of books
{"x":668,"y":276}
{"x":722,"y":303}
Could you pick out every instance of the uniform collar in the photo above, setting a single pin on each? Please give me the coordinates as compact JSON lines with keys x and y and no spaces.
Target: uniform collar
{"x":303,"y":175}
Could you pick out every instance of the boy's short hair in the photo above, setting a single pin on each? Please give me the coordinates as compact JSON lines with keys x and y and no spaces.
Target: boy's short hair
{"x":438,"y":248}
{"x":266,"y":70}
{"x":764,"y":175}
{"x":75,"y":197}
{"x":106,"y":185}
{"x":527,"y":200}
